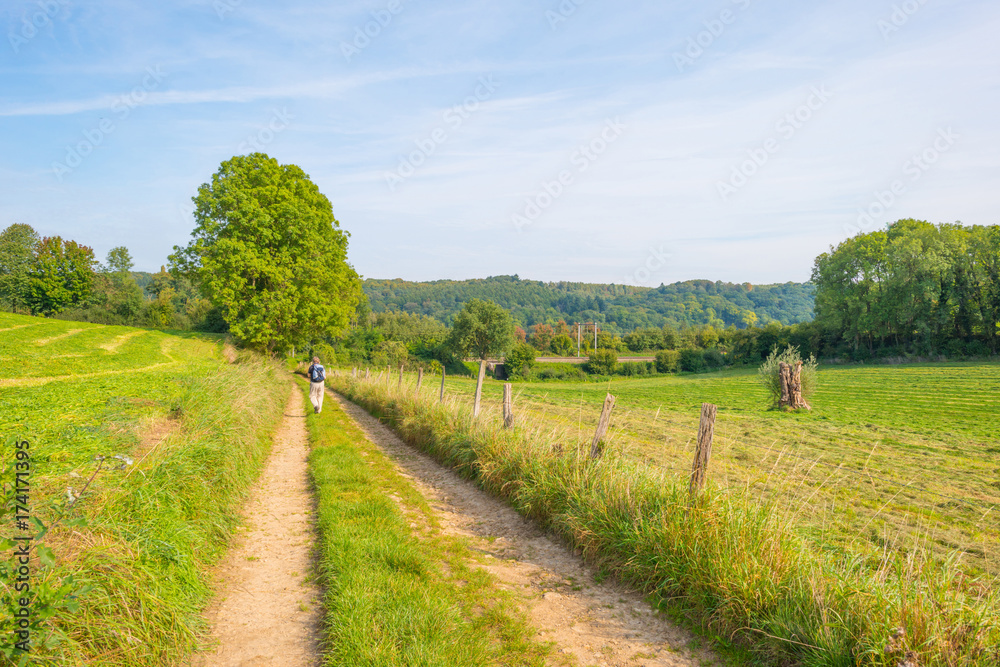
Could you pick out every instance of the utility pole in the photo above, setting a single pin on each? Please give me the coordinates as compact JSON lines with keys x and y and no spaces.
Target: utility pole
{"x":579,"y":335}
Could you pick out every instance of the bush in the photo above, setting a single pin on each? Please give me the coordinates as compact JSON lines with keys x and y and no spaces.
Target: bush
{"x":714,"y":359}
{"x":602,"y":362}
{"x":389,"y":353}
{"x":630,"y":368}
{"x":692,"y":360}
{"x":327,"y":355}
{"x":668,"y":361}
{"x":769,"y":378}
{"x":561,"y":372}
{"x":518,"y":363}
{"x":562,"y":345}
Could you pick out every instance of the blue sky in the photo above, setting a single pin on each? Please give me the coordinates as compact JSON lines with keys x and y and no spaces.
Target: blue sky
{"x":639,"y":142}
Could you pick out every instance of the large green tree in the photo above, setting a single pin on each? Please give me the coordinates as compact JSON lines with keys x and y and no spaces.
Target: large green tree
{"x":267,"y":252}
{"x":17,"y":252}
{"x":482,"y":329}
{"x":61,"y":275}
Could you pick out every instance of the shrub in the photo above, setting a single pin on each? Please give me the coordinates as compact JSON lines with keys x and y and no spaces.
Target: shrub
{"x":327,"y":355}
{"x":768,"y":372}
{"x":692,"y":360}
{"x":602,"y":362}
{"x":630,"y":368}
{"x":389,"y":353}
{"x":562,"y":345}
{"x":518,"y":363}
{"x":713,"y":358}
{"x":668,"y":361}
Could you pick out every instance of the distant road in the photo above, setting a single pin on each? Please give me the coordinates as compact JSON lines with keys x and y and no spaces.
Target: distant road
{"x":580,"y":360}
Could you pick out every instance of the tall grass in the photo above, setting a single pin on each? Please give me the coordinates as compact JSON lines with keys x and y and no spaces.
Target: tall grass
{"x":733,"y":564}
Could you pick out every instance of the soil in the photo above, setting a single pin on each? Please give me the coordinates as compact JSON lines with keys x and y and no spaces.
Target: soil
{"x":590,"y":623}
{"x":267,"y":611}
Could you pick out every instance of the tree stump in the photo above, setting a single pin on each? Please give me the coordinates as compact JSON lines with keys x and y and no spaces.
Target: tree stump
{"x":791,"y":386}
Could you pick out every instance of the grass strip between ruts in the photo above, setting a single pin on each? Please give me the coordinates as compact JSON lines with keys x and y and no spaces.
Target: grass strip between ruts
{"x":397,"y":591}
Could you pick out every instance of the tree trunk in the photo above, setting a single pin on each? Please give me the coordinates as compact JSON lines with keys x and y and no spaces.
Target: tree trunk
{"x":479,"y":388}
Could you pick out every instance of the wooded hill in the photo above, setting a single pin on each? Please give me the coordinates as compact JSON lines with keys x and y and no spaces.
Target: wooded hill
{"x":621,"y":308}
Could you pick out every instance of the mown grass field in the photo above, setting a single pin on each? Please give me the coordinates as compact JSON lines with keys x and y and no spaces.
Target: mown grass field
{"x":192,"y":416}
{"x":891,"y":457}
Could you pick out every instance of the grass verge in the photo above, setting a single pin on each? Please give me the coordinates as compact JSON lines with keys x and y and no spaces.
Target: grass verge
{"x":121,"y":576}
{"x":397,"y":590}
{"x":733,"y":562}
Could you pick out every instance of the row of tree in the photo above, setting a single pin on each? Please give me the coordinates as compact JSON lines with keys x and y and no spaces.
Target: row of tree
{"x":54,"y":277}
{"x":617,"y":308}
{"x":912,"y":289}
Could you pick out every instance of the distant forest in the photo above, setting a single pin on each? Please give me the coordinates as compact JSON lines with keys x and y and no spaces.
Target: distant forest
{"x":620,"y":308}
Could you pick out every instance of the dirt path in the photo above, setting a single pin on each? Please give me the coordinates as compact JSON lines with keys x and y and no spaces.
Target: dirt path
{"x":267,"y":614}
{"x":600,"y":624}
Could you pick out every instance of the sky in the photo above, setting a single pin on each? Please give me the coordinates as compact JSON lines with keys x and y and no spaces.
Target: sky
{"x":635,"y":142}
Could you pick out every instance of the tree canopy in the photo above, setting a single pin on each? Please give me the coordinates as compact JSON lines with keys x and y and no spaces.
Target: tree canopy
{"x":482,"y":329}
{"x":617,"y":308}
{"x":17,"y":253}
{"x":61,"y":275}
{"x":268,"y":252}
{"x":915,"y":287}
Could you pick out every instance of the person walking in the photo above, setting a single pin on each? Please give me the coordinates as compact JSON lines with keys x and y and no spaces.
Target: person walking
{"x":317,"y":385}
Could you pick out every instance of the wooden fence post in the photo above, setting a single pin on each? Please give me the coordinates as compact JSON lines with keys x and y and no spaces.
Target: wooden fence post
{"x":420,"y":379}
{"x":508,"y":406}
{"x":399,"y":385}
{"x":441,"y":396}
{"x":479,"y":388}
{"x":706,"y":430}
{"x":602,"y":427}
{"x":388,"y":375}
{"x":368,"y":373}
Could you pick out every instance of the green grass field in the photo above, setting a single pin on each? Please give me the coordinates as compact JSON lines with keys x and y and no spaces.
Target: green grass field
{"x":891,"y":457}
{"x":138,"y":540}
